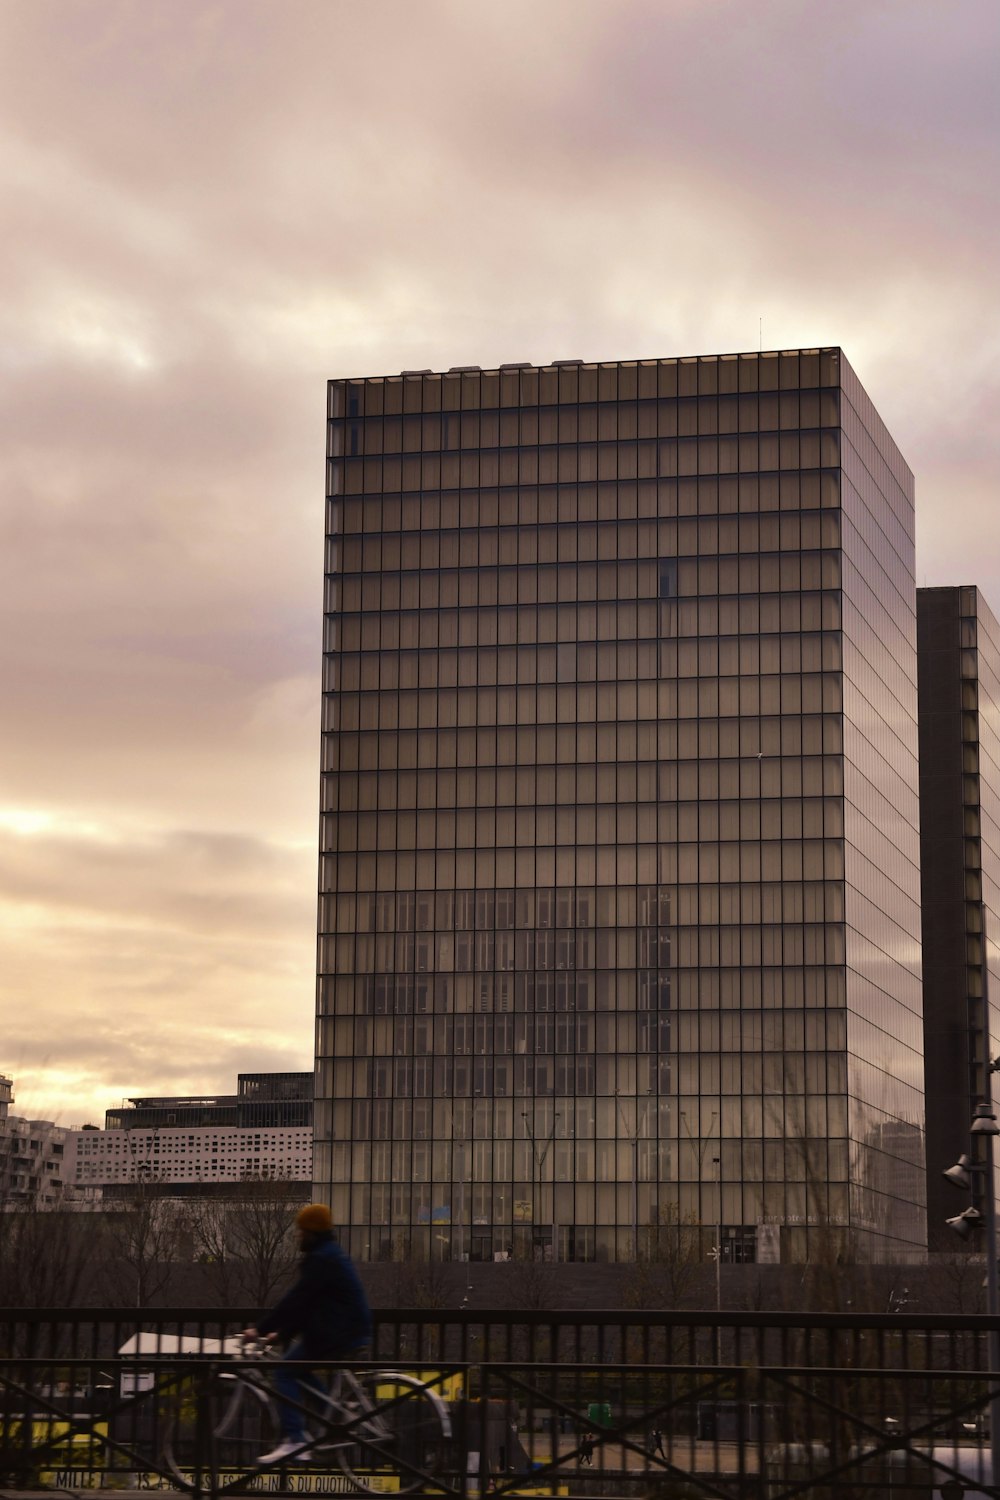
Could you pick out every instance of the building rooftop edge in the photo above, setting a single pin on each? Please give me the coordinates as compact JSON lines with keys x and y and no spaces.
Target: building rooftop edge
{"x":590,"y":364}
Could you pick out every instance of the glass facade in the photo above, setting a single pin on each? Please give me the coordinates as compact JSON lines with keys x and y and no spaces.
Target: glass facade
{"x":619,"y":881}
{"x":959,"y":654}
{"x":882,"y":847}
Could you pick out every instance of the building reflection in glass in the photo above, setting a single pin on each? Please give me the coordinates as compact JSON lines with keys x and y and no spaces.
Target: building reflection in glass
{"x":619,"y":906}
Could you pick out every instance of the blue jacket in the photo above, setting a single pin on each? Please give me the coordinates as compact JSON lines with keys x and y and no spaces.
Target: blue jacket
{"x":326,"y":1309}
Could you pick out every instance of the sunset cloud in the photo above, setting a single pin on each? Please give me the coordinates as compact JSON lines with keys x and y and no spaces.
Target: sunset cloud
{"x":210,"y":206}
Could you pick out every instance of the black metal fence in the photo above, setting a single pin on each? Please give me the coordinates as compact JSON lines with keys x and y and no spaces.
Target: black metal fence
{"x":456,"y":1403}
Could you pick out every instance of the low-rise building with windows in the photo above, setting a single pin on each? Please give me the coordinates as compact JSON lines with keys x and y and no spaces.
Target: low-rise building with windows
{"x":182,"y":1160}
{"x":182,"y":1145}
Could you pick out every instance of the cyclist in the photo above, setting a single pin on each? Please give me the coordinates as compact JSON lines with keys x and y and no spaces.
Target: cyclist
{"x":325,"y":1316}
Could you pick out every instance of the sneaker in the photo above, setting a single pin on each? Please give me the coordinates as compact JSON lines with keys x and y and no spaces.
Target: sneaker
{"x":296,"y":1448}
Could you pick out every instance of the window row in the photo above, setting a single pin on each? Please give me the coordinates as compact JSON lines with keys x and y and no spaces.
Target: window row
{"x":480,"y":1163}
{"x":709,"y":760}
{"x":544,"y":747}
{"x":813,"y":859}
{"x":568,"y":950}
{"x":523,"y":546}
{"x":583,"y":504}
{"x":573,"y":950}
{"x":602,"y":823}
{"x":690,"y":1032}
{"x":621,"y":990}
{"x":565,"y":805}
{"x":685,"y":1118}
{"x":621,"y":421}
{"x":507,"y":1224}
{"x":429,"y":1077}
{"x":542,"y":1076}
{"x":572,"y":381}
{"x":546,"y":624}
{"x":575,"y":907}
{"x":585,"y":704}
{"x":660,"y":458}
{"x":654,"y":578}
{"x":610,"y":661}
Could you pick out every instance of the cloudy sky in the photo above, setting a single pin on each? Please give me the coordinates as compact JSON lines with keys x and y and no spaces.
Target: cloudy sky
{"x":208,"y":209}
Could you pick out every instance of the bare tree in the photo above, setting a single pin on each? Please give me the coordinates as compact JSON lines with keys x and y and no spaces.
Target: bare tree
{"x":261,"y":1235}
{"x":143,"y":1234}
{"x":244,"y":1240}
{"x":211,"y":1243}
{"x":669,"y":1268}
{"x":45,"y":1255}
{"x":532,"y":1284}
{"x":423,"y":1284}
{"x":45,"y":1249}
{"x":956,"y":1283}
{"x":831,"y":1279}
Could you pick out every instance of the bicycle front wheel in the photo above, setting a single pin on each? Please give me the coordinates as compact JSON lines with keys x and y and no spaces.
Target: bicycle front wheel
{"x":396,"y":1436}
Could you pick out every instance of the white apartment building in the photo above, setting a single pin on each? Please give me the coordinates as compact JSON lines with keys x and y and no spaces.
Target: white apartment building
{"x":190,"y":1157}
{"x":34,"y":1157}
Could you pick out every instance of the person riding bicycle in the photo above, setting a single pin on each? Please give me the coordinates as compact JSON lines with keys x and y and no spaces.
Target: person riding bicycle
{"x":325,"y":1316}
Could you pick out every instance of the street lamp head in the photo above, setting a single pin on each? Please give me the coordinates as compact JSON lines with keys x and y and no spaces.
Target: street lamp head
{"x":963,"y":1224}
{"x":985,"y":1122}
{"x":960,"y":1175}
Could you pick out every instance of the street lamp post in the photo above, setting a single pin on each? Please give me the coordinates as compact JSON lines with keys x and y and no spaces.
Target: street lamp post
{"x":963,"y":1175}
{"x":464,"y":1170}
{"x":539,"y":1152}
{"x":469,"y":1153}
{"x":716,"y":1251}
{"x":633,"y":1137}
{"x":717,"y":1160}
{"x":467,"y":1197}
{"x":985,"y":1114}
{"x":461,"y":1196}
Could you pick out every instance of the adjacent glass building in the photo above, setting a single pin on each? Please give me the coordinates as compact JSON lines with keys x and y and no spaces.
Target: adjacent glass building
{"x":619,"y":895}
{"x":959,"y":692}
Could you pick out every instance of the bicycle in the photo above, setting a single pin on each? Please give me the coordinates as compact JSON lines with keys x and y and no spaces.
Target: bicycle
{"x":383,"y":1429}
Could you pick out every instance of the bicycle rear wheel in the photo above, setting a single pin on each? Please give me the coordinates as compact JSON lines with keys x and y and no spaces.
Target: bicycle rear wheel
{"x":395,"y":1436}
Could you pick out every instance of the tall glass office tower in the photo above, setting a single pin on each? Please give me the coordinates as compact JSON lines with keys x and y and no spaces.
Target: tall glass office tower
{"x":619,"y":895}
{"x":958,"y":639}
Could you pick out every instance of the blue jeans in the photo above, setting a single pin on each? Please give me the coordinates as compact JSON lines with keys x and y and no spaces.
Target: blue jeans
{"x":297,"y":1385}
